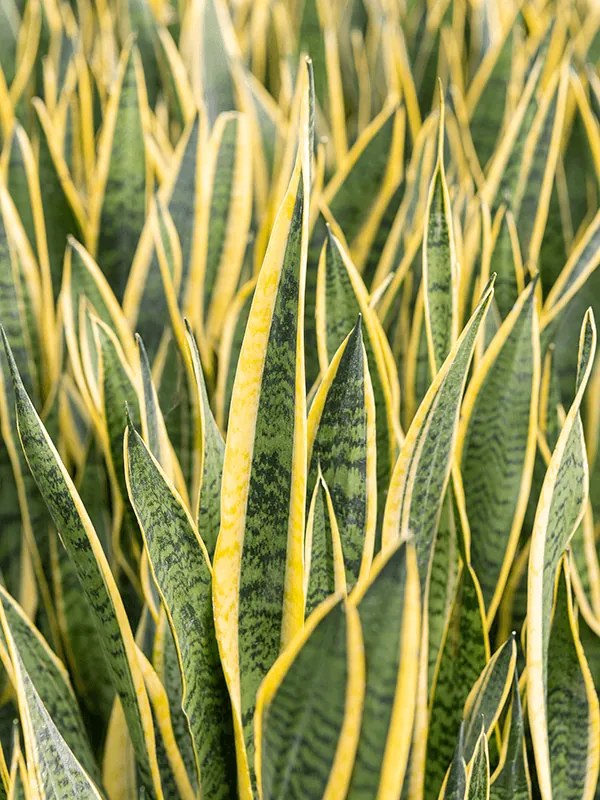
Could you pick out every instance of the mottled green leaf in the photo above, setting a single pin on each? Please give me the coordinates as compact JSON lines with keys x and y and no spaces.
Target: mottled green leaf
{"x":462,"y":658}
{"x":312,"y":694}
{"x":353,"y":192}
{"x":121,"y":191}
{"x":389,"y":610}
{"x":442,"y":581}
{"x":490,"y":105}
{"x":324,"y":572}
{"x":497,"y":449}
{"x":181,"y":568}
{"x":341,"y":444}
{"x":573,"y":715}
{"x":341,"y":297}
{"x":439,"y":264}
{"x":455,"y":785}
{"x":207,"y":504}
{"x":58,"y":772}
{"x":560,"y":509}
{"x":487,"y":698}
{"x":50,"y":680}
{"x":422,"y":471}
{"x":479,"y":772}
{"x":97,"y":582}
{"x":512,"y":779}
{"x":229,"y":207}
{"x":258,"y":557}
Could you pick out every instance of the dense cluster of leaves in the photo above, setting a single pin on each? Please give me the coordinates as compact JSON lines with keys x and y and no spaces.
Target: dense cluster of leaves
{"x":299,"y":404}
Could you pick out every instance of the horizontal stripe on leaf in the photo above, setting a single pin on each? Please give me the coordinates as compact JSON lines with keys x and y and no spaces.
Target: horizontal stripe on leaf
{"x":389,"y":610}
{"x":185,"y":585}
{"x":309,"y":707}
{"x":496,"y":450}
{"x":573,"y":714}
{"x":423,"y":468}
{"x":324,"y":572}
{"x":258,"y":591}
{"x":341,"y":444}
{"x":81,"y":541}
{"x":560,"y":509}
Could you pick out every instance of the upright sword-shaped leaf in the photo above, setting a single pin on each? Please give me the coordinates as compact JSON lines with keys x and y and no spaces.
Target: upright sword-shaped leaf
{"x":258,"y":586}
{"x":560,"y":509}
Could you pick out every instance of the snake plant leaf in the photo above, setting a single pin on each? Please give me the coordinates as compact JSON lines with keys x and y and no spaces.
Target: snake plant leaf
{"x":440,"y":292}
{"x":185,"y":586}
{"x":389,"y":609}
{"x":497,"y":479}
{"x":582,"y":262}
{"x":422,"y":471}
{"x":119,"y":198}
{"x":341,"y":297}
{"x":9,"y":27}
{"x":144,"y":301}
{"x":228,"y":212}
{"x":18,"y":167}
{"x":84,"y":655}
{"x":174,"y":768}
{"x":324,"y":572}
{"x":50,"y":680}
{"x":511,"y":779}
{"x":573,"y":714}
{"x":62,"y":207}
{"x":215,"y":67}
{"x":487,"y":698}
{"x":152,"y":421}
{"x":139,"y":20}
{"x":532,"y":200}
{"x":487,"y":94}
{"x":97,"y":582}
{"x":341,"y":444}
{"x":463,"y":656}
{"x":442,"y":582}
{"x":505,"y":261}
{"x":505,"y":167}
{"x":560,"y":509}
{"x":258,"y":588}
{"x":359,"y":192}
{"x":322,"y":670}
{"x":455,"y":783}
{"x":117,"y":393}
{"x":479,"y":771}
{"x":57,"y":771}
{"x":229,"y":350}
{"x":207,"y":503}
